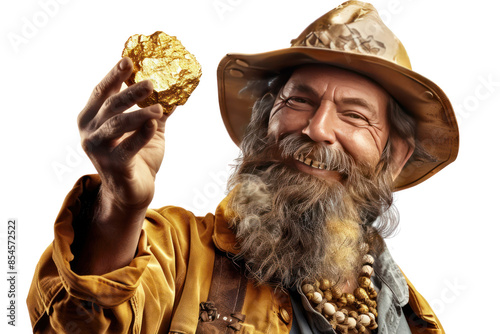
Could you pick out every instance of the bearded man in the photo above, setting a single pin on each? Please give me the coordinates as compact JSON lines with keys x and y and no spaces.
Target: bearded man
{"x":338,"y":123}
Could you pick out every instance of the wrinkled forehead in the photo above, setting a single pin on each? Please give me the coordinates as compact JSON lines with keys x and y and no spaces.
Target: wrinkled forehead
{"x":323,"y":74}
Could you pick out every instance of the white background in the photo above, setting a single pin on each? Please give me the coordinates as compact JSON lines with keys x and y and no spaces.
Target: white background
{"x":449,"y":224}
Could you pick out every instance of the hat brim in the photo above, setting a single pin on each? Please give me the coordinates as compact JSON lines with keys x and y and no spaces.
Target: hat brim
{"x":242,"y":79}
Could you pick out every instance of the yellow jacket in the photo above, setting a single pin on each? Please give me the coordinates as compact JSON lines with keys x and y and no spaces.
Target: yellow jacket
{"x":161,"y":289}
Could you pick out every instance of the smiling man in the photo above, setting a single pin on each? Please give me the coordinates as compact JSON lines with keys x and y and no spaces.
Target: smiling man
{"x":328,"y":129}
{"x":337,"y":108}
{"x":325,"y":159}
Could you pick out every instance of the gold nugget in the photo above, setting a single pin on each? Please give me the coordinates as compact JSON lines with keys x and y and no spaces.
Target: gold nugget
{"x":161,"y":58}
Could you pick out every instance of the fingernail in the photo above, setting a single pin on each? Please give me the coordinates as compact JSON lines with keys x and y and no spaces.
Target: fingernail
{"x":122,"y":65}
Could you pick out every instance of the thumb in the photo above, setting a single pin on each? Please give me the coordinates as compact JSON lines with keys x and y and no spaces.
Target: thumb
{"x":163,"y":120}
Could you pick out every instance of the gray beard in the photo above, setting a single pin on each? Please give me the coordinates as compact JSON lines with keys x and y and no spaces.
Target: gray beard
{"x":291,"y":226}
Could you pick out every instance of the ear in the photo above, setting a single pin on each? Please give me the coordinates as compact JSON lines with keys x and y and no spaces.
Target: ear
{"x":401,"y":152}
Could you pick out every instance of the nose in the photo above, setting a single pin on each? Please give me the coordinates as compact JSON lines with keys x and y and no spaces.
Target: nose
{"x":321,"y":125}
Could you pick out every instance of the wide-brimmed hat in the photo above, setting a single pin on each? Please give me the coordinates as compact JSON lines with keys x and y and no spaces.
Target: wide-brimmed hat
{"x":351,"y":36}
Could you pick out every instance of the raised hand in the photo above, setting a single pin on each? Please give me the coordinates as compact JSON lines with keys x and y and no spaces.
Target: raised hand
{"x":127,"y":149}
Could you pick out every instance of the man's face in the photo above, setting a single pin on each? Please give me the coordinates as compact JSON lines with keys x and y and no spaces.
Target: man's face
{"x":335,"y":107}
{"x":309,"y":181}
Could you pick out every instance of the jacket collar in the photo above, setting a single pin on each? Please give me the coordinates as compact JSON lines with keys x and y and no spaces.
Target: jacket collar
{"x":390,"y":274}
{"x":224,"y":237}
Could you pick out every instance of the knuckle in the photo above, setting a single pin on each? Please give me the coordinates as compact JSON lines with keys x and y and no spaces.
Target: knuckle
{"x":124,"y":100}
{"x":98,"y":91}
{"x":129,"y":97}
{"x":87,"y":145}
{"x":109,"y":102}
{"x":119,"y":101}
{"x":91,"y":144}
{"x":114,"y":123}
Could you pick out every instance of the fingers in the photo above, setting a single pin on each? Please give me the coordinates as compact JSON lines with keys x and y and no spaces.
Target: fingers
{"x":118,"y":125}
{"x":132,"y":144}
{"x":123,"y":100}
{"x":109,"y":85}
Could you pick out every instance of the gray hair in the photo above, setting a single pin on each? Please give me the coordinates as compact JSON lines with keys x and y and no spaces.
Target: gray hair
{"x":402,"y":125}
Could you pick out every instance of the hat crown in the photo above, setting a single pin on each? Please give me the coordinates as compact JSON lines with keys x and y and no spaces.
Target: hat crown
{"x":353,"y":37}
{"x":354,"y":27}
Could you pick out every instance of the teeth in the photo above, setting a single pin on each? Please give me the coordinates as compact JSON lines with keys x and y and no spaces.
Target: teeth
{"x":310,"y":162}
{"x":299,"y":158}
{"x":317,"y":164}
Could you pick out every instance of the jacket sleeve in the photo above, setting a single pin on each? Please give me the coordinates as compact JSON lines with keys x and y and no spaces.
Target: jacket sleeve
{"x":60,"y":301}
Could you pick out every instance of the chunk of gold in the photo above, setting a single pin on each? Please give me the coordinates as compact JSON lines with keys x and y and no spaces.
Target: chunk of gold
{"x":161,"y":58}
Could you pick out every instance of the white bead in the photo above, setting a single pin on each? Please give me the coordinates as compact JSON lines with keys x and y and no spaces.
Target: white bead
{"x":364,"y":320}
{"x":329,"y":309}
{"x":340,"y":317}
{"x":351,"y":322}
{"x":317,"y":298}
{"x":367,"y":270}
{"x":367,"y":258}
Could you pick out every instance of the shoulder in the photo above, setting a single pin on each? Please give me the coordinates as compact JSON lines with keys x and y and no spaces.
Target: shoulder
{"x":175,"y":215}
{"x":178,"y":225}
{"x":417,"y":310}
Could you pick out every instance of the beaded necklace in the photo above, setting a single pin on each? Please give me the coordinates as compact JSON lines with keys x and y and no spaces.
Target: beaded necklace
{"x":346,"y":312}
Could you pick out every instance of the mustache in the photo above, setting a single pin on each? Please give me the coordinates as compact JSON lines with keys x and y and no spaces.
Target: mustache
{"x":300,"y":147}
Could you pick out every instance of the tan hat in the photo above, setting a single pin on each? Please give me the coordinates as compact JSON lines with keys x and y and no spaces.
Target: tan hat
{"x":351,"y":36}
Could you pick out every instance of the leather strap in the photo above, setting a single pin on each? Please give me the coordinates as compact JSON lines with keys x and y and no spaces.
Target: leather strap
{"x":221,"y":313}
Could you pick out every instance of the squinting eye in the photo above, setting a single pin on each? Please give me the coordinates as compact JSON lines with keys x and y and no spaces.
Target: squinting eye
{"x":356,"y":116}
{"x":298,"y":103}
{"x":297,"y":99}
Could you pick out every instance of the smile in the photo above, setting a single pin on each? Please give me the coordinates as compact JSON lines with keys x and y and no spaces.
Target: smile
{"x":310,"y":162}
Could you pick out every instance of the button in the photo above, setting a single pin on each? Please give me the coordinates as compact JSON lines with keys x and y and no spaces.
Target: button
{"x":429,"y":95}
{"x":236,"y":73}
{"x":284,"y":315}
{"x":242,"y":63}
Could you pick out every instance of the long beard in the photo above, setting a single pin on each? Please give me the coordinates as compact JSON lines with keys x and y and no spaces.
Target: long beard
{"x":292,"y":226}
